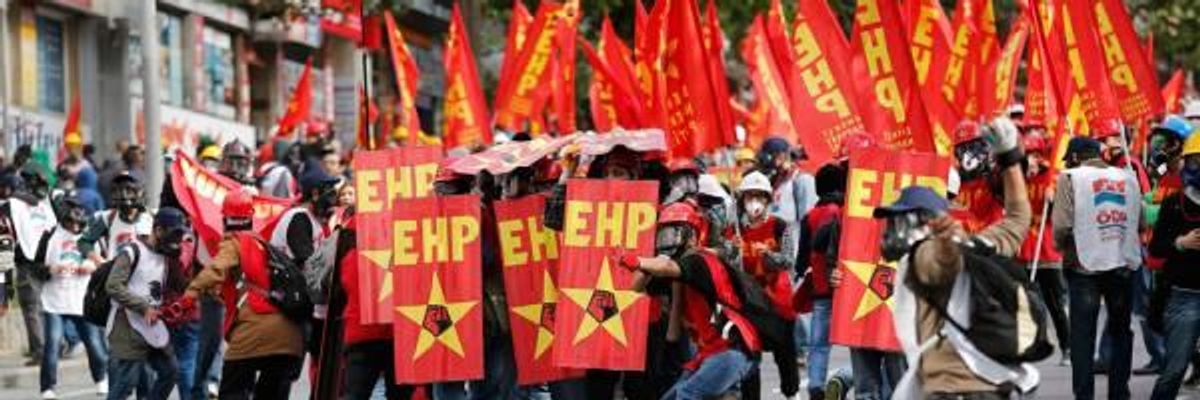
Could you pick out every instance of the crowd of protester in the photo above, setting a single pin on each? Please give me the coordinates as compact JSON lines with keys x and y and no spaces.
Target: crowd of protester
{"x":742,"y":267}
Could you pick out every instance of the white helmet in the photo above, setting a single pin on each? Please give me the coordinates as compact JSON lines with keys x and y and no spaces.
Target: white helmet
{"x":1192,"y":110}
{"x":754,"y":181}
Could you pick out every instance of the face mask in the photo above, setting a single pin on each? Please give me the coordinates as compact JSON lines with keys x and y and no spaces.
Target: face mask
{"x":170,"y":244}
{"x":325,"y":203}
{"x":974,"y":159}
{"x":671,"y":241}
{"x":902,"y":232}
{"x":1190,"y":174}
{"x":682,"y":186}
{"x":755,"y":208}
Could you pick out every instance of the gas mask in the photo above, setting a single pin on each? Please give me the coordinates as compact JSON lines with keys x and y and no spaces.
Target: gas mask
{"x":975,"y":159}
{"x":169,"y":242}
{"x":1190,"y":174}
{"x":236,"y":167}
{"x":325,"y":202}
{"x":126,"y":197}
{"x":672,"y":240}
{"x":754,"y":207}
{"x":902,"y":232}
{"x":74,"y":218}
{"x":1114,"y":155}
{"x":682,"y":185}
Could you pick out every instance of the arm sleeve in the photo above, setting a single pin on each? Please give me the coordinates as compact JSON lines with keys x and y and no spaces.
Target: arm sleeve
{"x":117,"y":285}
{"x":299,"y":240}
{"x":1162,"y":243}
{"x":1008,"y":234}
{"x":782,"y":260}
{"x":804,"y":249}
{"x":1063,"y":214}
{"x":694,"y":274}
{"x":210,"y":278}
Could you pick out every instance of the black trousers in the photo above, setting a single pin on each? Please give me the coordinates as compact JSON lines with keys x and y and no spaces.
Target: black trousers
{"x":268,"y":377}
{"x":789,"y":374}
{"x":1053,"y":287}
{"x":365,"y":364}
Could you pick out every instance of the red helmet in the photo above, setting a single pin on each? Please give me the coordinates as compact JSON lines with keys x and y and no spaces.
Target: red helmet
{"x":966,"y":132}
{"x":1105,"y":129}
{"x":682,"y":212}
{"x":238,"y":204}
{"x":1034,"y":143}
{"x":683,"y":165}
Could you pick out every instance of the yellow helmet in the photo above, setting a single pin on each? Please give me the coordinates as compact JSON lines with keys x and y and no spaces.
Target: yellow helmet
{"x":210,"y":152}
{"x":1192,"y":145}
{"x":743,"y":154}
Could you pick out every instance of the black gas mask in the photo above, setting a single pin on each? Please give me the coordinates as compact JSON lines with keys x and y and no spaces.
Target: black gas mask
{"x":325,"y":201}
{"x":681,"y":185}
{"x":73,"y":217}
{"x":127,"y":197}
{"x":975,"y":159}
{"x":169,"y":241}
{"x":672,"y":240}
{"x":903,"y":231}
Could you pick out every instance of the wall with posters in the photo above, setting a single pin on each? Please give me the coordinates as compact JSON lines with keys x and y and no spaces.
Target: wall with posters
{"x":183,"y":129}
{"x":39,"y":130}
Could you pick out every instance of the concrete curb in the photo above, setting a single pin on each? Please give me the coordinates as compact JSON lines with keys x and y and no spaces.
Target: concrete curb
{"x":14,"y":374}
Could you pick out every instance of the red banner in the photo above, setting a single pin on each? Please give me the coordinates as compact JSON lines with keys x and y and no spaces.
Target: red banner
{"x":1133,"y":76}
{"x":929,"y":36}
{"x":769,"y":86}
{"x":823,"y":95}
{"x":380,"y":179}
{"x":693,"y":115}
{"x":714,"y":46}
{"x":518,"y":29}
{"x":1172,"y":92}
{"x":530,"y":87}
{"x":299,"y":105}
{"x":201,"y":193}
{"x":529,"y":252}
{"x":862,"y":305}
{"x":404,"y":66}
{"x":1000,"y":78}
{"x":1088,"y":96}
{"x":466,"y":119}
{"x":602,"y":323}
{"x":438,"y":331}
{"x":892,"y":107}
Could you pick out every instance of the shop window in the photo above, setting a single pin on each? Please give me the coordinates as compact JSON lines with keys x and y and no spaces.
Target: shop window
{"x":51,"y":65}
{"x":217,"y":78}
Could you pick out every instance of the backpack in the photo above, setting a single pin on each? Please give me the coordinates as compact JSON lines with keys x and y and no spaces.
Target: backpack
{"x":289,"y":288}
{"x":318,"y":269}
{"x":38,"y":269}
{"x":773,"y":330}
{"x":1008,"y":314}
{"x":96,"y":303}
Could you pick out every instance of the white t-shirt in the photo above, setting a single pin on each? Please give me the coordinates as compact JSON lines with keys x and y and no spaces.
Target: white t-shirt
{"x":63,"y":293}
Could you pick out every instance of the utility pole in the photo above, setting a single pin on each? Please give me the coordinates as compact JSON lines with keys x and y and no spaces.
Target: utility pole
{"x":5,"y":134}
{"x":150,"y":104}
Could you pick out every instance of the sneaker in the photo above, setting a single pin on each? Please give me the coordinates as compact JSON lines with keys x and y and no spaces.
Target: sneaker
{"x":835,"y":389}
{"x":1148,"y":369}
{"x":102,"y":387}
{"x":49,"y":394}
{"x":213,"y":391}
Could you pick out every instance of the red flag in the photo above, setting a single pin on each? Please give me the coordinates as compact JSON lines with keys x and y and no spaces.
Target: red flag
{"x":1046,"y":93}
{"x":693,"y":120}
{"x":518,"y":30}
{"x":1000,"y":79}
{"x":407,"y":75}
{"x":529,"y":89}
{"x":892,"y":108}
{"x":775,"y":33}
{"x":563,"y":94}
{"x":1089,"y":97}
{"x":823,"y":99}
{"x":438,"y":327}
{"x":613,"y":98}
{"x":985,"y":50}
{"x":753,"y":120}
{"x":71,"y":132}
{"x":367,"y":115}
{"x":714,"y":44}
{"x":1172,"y":92}
{"x":1134,"y":79}
{"x":529,"y":253}
{"x":1149,"y":51}
{"x":466,"y":119}
{"x":201,"y":193}
{"x":299,"y":105}
{"x":768,"y":83}
{"x":862,"y":305}
{"x":649,"y":48}
{"x":381,"y":178}
{"x":602,"y":323}
{"x":929,"y":36}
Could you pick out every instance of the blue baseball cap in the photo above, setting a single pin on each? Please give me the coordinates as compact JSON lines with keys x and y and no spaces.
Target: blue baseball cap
{"x":315,"y":177}
{"x":170,"y":218}
{"x":914,"y":198}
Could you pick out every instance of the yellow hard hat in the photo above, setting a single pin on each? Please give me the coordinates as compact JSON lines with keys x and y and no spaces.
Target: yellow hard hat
{"x":73,"y":139}
{"x":210,"y":152}
{"x":743,"y":154}
{"x":1192,"y":145}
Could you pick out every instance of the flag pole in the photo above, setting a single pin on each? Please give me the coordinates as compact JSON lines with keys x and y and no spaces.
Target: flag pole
{"x":1041,"y":236}
{"x":366,"y":74}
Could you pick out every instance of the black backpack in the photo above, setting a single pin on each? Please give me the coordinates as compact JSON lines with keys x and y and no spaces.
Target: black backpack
{"x":289,"y":288}
{"x":773,"y":330}
{"x":1008,"y":314}
{"x":96,"y":304}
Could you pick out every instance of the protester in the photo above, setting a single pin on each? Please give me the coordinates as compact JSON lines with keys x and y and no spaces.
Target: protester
{"x":716,"y":315}
{"x":210,"y":156}
{"x":127,"y":221}
{"x":9,"y":183}
{"x":30,"y":214}
{"x":977,"y":200}
{"x":1039,"y":245}
{"x":1097,"y":210}
{"x":265,"y":347}
{"x":1177,"y":240}
{"x":816,"y":237}
{"x":62,"y":299}
{"x":236,"y":163}
{"x":930,"y":247}
{"x":762,"y":236}
{"x":142,"y":274}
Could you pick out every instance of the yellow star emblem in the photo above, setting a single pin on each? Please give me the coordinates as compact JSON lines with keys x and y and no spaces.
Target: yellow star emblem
{"x":533,"y":313}
{"x":383,"y":260}
{"x":870,"y":299}
{"x":438,"y":320}
{"x":602,"y":306}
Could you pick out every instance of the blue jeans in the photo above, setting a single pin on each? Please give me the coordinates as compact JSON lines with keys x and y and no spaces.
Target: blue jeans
{"x":876,"y":373}
{"x":154,"y":376}
{"x":208,"y":355}
{"x":1086,"y":292}
{"x":499,"y":375}
{"x":1182,"y":320}
{"x":818,"y":343}
{"x":52,"y":330}
{"x":1140,"y":301}
{"x":718,"y":374}
{"x":185,"y":343}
